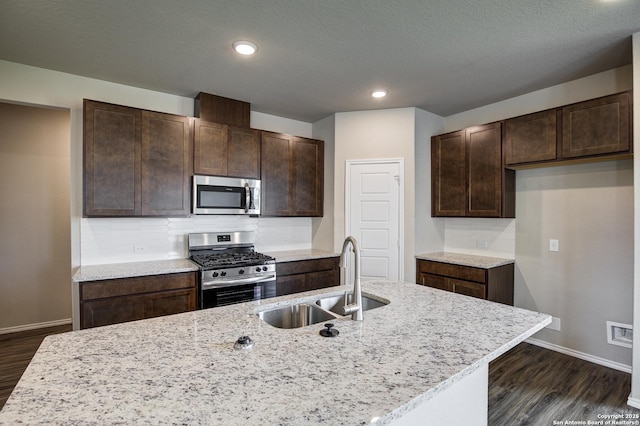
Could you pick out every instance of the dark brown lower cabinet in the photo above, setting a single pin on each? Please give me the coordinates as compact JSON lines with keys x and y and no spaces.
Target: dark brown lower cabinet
{"x":305,"y":275}
{"x":495,"y":284}
{"x":119,"y":300}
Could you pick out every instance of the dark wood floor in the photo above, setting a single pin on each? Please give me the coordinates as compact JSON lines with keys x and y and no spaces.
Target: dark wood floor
{"x":528,"y":385}
{"x":16,"y":351}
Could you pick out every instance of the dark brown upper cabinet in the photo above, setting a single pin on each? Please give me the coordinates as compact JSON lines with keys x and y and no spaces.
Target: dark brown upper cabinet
{"x":136,"y":162}
{"x":223,"y":150}
{"x":467,"y":176}
{"x":218,"y":109}
{"x":595,"y":127}
{"x":111,"y":160}
{"x":292,"y":175}
{"x":531,"y":138}
{"x":449,"y":174}
{"x":166,"y":164}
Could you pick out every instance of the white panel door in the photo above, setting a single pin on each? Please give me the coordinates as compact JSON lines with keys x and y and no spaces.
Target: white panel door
{"x":373,"y":201}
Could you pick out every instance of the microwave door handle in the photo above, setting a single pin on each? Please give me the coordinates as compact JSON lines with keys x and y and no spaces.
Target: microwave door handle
{"x":249,"y":198}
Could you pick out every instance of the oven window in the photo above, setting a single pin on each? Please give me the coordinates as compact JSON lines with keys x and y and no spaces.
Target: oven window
{"x":221,"y":197}
{"x":226,"y":296}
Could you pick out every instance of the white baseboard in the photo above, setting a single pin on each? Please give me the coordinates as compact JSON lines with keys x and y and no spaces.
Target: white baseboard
{"x":634,"y":402}
{"x":581,"y":355}
{"x":36,"y":326}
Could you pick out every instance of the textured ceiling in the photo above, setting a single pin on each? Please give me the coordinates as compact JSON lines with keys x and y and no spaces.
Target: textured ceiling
{"x":318,"y":57}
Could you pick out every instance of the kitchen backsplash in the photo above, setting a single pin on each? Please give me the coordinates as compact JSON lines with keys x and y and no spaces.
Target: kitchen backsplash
{"x":484,"y":237}
{"x":115,"y":240}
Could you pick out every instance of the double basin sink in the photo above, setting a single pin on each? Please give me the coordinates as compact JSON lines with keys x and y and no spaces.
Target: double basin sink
{"x":324,"y":309}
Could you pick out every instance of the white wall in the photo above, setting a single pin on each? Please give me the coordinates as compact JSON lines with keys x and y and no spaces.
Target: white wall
{"x":463,"y":235}
{"x":35,"y":248}
{"x":589,"y":209}
{"x":378,"y":134}
{"x":589,"y":281}
{"x":429,"y":231}
{"x":322,"y":233}
{"x":634,"y":398}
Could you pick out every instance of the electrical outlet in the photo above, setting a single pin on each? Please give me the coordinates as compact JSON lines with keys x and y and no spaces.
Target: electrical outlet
{"x":555,"y":324}
{"x":554,"y":245}
{"x":482,"y":244}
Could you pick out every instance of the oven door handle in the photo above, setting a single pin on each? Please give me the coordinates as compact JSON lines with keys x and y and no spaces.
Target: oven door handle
{"x":239,"y":281}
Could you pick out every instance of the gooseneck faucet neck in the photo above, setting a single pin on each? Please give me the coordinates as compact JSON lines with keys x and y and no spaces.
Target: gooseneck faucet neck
{"x":355,"y":308}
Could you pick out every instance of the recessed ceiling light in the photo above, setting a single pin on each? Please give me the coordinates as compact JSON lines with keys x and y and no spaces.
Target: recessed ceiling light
{"x":245,"y":47}
{"x":379,"y":93}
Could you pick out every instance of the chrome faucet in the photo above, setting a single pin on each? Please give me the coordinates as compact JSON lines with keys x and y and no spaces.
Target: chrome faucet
{"x":355,"y":308}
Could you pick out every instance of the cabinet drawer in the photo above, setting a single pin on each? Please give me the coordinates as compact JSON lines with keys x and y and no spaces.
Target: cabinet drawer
{"x":136,"y":285}
{"x":435,"y":281}
{"x":467,"y":273}
{"x":306,"y":266}
{"x":469,"y":289}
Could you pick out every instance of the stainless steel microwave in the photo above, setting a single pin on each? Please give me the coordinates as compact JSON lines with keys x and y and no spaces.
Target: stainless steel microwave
{"x":222,"y":195}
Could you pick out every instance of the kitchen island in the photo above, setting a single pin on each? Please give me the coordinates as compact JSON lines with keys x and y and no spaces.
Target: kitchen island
{"x":183,"y":369}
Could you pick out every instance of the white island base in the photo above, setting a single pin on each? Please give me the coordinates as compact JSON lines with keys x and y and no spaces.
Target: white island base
{"x":464,"y":403}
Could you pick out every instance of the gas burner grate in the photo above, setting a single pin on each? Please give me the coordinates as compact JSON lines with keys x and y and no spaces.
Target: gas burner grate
{"x":222,"y":260}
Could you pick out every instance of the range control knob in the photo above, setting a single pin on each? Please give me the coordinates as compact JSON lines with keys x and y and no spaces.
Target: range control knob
{"x":223,"y":273}
{"x":258,"y":269}
{"x":241,"y":271}
{"x":265,"y":268}
{"x":215,"y":274}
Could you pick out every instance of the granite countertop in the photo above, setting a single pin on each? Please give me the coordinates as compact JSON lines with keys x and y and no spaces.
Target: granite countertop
{"x":133,"y":269}
{"x":304,"y":254}
{"x":182,"y":369}
{"x":475,"y":261}
{"x":172,"y":266}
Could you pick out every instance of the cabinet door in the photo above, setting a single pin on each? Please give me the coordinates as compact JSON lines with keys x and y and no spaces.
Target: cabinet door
{"x":292,"y":175}
{"x":448,"y":175}
{"x":166,"y":164}
{"x":169,"y":302}
{"x":290,"y":284}
{"x":531,"y":138}
{"x":243,"y":159}
{"x":468,"y":288}
{"x":112,"y":135}
{"x":598,"y":126}
{"x":277,"y":165}
{"x":321,"y":279}
{"x":210,"y":148}
{"x":114,"y":310}
{"x":308,"y":169}
{"x":485,"y":170}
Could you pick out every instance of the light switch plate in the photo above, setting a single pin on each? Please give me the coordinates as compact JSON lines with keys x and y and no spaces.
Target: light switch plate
{"x":554,"y":245}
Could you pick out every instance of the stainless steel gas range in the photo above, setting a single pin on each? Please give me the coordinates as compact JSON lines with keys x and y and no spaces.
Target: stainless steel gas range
{"x":231,"y":271}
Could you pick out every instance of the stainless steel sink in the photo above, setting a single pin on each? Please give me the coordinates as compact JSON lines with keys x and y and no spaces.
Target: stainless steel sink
{"x":336,"y":304}
{"x":295,"y":316}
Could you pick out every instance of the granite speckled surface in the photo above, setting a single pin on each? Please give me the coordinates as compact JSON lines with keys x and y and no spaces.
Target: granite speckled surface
{"x":484,"y":262}
{"x":171,"y":266}
{"x":182,"y":369}
{"x":304,"y":254}
{"x":133,"y":269}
